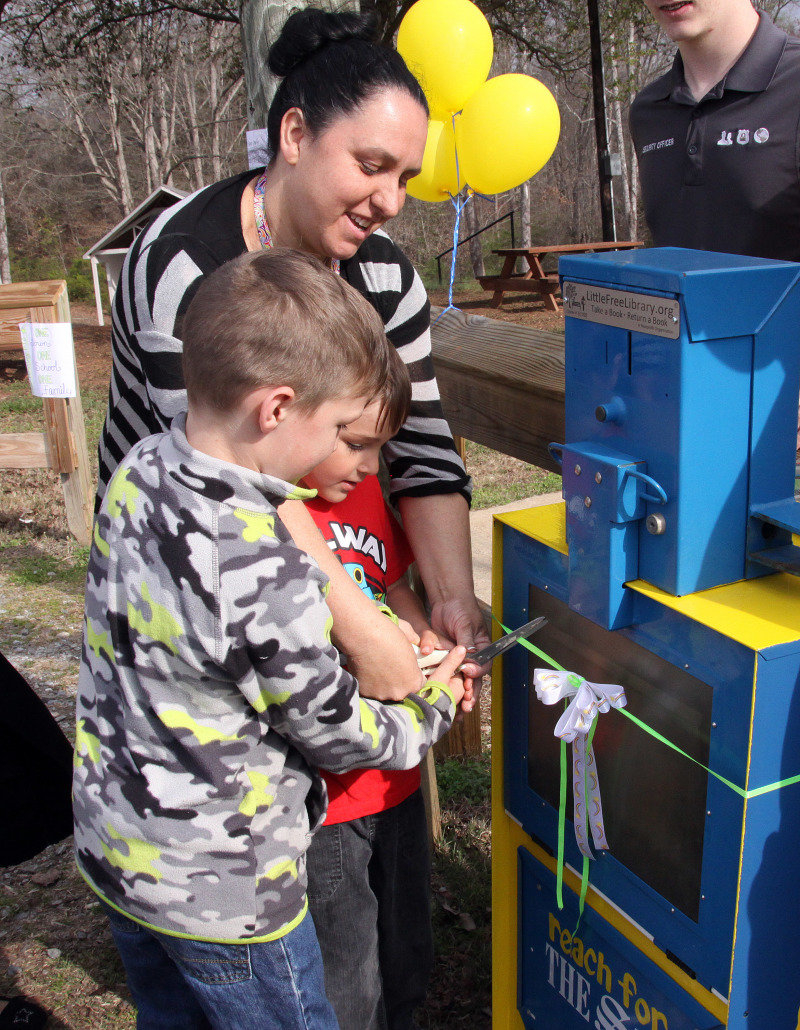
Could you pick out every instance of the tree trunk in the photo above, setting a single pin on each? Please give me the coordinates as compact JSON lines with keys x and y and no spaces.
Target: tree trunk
{"x":261,"y":21}
{"x":475,"y":248}
{"x":126,"y":193}
{"x":195,"y":169}
{"x":524,"y":201}
{"x":617,"y":119}
{"x":5,"y":261}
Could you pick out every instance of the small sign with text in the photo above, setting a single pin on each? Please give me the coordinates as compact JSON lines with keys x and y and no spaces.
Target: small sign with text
{"x":642,"y":312}
{"x":49,"y":357}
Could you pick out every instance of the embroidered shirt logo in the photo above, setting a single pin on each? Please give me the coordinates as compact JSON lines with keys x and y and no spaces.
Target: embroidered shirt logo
{"x":725,"y":140}
{"x":743,"y":137}
{"x":658,"y":146}
{"x":761,"y":135}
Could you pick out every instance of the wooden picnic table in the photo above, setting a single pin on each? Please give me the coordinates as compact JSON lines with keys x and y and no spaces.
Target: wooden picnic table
{"x":535,"y":279}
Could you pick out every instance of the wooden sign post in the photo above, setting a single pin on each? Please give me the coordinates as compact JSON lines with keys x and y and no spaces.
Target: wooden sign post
{"x":62,"y":446}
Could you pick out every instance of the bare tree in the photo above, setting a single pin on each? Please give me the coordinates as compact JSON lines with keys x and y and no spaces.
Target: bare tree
{"x":163,"y":105}
{"x":5,"y":254}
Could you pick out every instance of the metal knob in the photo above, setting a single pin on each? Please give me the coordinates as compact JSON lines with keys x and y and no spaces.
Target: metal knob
{"x":611,"y":411}
{"x":656,"y":524}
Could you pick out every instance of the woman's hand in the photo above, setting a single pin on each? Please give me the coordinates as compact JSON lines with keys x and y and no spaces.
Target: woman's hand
{"x":438,"y":529}
{"x":461,"y":620}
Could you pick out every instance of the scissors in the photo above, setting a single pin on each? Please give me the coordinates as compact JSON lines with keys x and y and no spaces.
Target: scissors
{"x":503,"y":643}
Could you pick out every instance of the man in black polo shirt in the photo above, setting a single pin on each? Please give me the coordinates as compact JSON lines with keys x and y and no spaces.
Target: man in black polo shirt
{"x":718,"y":137}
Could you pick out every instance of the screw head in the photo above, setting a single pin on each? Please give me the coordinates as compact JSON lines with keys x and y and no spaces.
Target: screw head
{"x":577,"y":470}
{"x":598,"y":477}
{"x":587,"y":502}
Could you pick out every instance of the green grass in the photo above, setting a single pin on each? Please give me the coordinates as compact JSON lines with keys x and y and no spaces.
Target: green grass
{"x":462,"y":891}
{"x":463,"y":780}
{"x":19,"y":411}
{"x":500,"y":479}
{"x":31,"y":568}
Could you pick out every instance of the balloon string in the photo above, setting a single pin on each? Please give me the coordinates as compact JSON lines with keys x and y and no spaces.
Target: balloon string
{"x":455,"y":150}
{"x":459,"y":203}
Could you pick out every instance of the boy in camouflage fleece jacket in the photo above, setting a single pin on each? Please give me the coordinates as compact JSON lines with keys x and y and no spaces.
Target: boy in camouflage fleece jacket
{"x":209,"y":688}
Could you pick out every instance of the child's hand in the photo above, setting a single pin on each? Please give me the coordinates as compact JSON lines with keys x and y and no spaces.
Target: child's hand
{"x":447,"y":672}
{"x":469,"y":700}
{"x":411,"y":634}
{"x":429,"y":641}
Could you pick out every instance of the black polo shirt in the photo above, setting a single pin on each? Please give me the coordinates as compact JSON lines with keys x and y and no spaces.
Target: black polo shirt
{"x":724,"y":174}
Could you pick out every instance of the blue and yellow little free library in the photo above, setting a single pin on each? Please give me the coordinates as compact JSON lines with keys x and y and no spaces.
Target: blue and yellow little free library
{"x":671,"y":569}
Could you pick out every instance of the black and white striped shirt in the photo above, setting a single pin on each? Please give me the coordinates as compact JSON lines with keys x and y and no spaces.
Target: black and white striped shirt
{"x":164,"y":268}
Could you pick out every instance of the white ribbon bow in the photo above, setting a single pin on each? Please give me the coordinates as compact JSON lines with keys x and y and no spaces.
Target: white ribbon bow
{"x":574,"y":725}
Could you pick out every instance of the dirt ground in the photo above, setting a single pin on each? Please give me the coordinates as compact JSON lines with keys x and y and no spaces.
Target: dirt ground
{"x":516,"y":307}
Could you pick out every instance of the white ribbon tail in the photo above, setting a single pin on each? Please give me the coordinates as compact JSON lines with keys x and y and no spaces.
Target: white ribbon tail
{"x":574,"y":725}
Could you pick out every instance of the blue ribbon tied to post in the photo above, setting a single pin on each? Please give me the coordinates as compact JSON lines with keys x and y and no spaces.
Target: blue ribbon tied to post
{"x":576,"y":726}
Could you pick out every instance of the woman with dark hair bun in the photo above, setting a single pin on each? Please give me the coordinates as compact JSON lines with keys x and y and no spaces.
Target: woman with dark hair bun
{"x":347,"y":130}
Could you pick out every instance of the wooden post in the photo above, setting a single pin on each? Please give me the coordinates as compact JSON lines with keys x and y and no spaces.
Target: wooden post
{"x":62,"y":446}
{"x":464,"y":737}
{"x":430,"y":796}
{"x":98,"y":297}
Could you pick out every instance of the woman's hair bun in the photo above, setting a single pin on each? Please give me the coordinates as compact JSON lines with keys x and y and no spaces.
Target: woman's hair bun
{"x":328,"y":64}
{"x":308,"y":31}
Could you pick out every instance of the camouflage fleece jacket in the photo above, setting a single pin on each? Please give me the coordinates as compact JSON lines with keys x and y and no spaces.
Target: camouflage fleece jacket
{"x":209,"y":691}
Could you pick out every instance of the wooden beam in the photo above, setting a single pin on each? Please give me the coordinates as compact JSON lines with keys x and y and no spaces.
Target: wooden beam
{"x":64,"y":445}
{"x":24,"y":451}
{"x":502,"y":384}
{"x":519,"y":283}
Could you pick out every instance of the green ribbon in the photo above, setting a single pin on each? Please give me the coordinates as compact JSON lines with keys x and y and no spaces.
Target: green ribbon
{"x":562,"y":800}
{"x":747,"y":795}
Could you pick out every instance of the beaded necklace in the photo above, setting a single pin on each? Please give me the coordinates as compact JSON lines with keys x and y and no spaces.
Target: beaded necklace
{"x":264,"y":234}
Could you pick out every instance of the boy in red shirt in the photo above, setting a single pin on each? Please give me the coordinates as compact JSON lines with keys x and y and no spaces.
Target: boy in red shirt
{"x":369,"y":865}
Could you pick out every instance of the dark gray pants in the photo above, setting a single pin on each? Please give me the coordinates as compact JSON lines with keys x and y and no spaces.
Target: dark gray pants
{"x":369,"y":894}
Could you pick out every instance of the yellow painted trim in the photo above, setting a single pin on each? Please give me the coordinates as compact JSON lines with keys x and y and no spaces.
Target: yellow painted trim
{"x":546,"y":523}
{"x":504,"y":873}
{"x":758,"y":613}
{"x":744,"y":820}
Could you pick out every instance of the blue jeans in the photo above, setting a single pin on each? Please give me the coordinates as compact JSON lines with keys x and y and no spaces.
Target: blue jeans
{"x":370,"y":895}
{"x":181,"y":984}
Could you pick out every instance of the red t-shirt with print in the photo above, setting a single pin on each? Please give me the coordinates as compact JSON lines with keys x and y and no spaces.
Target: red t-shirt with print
{"x":369,"y":541}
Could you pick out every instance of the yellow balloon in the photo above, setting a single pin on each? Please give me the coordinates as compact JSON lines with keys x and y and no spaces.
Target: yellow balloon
{"x":506,"y":133}
{"x":439,"y":114}
{"x":447,"y":44}
{"x":439,"y":177}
